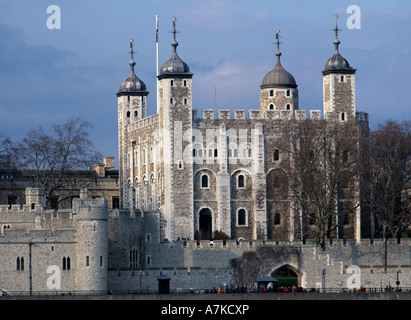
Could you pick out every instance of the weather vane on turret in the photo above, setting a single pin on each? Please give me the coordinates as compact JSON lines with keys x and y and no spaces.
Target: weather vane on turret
{"x":277,"y":37}
{"x":174,"y":32}
{"x":336,"y":41}
{"x":131,"y":47}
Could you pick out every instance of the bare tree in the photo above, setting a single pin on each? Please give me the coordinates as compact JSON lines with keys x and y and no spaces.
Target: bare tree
{"x":389,"y":178}
{"x":324,"y":177}
{"x":49,"y":158}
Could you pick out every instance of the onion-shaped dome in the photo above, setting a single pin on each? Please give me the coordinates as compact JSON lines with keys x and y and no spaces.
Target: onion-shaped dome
{"x":132,"y":85}
{"x":278,"y":77}
{"x":174,"y":67}
{"x":337,"y":63}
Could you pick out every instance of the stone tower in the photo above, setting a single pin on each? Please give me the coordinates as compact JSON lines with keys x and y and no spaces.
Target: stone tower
{"x":175,"y":119}
{"x":338,"y":86}
{"x":92,"y":242}
{"x":132,"y":107}
{"x":36,"y":198}
{"x":279,"y":90}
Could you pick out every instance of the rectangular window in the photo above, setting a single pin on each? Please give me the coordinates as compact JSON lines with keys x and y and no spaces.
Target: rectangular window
{"x":101,"y":261}
{"x":87,"y":261}
{"x":116,"y":202}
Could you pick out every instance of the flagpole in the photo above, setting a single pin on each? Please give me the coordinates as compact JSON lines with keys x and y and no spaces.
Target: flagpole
{"x":158,"y":102}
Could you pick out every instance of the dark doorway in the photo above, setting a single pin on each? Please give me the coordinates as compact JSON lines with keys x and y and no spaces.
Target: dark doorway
{"x":205,"y":227}
{"x":286,"y":277}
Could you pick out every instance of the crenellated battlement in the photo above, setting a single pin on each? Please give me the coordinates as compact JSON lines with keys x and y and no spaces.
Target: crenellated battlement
{"x":152,"y":120}
{"x":240,"y":114}
{"x":330,"y":245}
{"x":16,"y":208}
{"x":48,"y":235}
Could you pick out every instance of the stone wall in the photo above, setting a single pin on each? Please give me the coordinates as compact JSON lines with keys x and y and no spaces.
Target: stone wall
{"x":206,"y":265}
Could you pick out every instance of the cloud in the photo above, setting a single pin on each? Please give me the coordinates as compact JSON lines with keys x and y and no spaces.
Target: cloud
{"x":42,"y":85}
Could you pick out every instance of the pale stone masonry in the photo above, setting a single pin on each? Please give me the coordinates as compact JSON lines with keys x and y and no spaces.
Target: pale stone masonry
{"x":214,"y":173}
{"x":186,"y":175}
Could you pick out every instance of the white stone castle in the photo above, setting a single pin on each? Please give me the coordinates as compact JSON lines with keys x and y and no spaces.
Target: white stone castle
{"x":207,"y":174}
{"x":184,"y":177}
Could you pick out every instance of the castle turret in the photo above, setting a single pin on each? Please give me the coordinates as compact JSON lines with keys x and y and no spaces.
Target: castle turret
{"x":36,"y":197}
{"x":132,"y":106}
{"x":338,"y":85}
{"x":92,"y":243}
{"x":279,"y":89}
{"x":175,"y":116}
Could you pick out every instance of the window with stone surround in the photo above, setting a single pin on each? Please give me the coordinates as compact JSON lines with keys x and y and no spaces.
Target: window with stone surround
{"x":205,"y":181}
{"x":241,"y":181}
{"x":20,"y":263}
{"x":276,"y":155}
{"x":241,"y":217}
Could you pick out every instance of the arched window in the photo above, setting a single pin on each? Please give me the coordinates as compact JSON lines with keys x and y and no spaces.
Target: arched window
{"x":204,"y":181}
{"x":271,"y":107}
{"x":276,"y":155}
{"x":271,"y":93}
{"x":288,"y":93}
{"x":128,"y":114}
{"x":288,"y":107}
{"x":185,"y":101}
{"x":20,"y":264}
{"x":241,"y":217}
{"x":135,"y":114}
{"x":241,"y":181}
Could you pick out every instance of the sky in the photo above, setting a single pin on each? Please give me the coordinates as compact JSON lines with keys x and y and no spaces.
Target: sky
{"x":48,"y":75}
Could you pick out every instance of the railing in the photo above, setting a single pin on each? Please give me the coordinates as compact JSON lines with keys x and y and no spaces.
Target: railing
{"x":184,"y":291}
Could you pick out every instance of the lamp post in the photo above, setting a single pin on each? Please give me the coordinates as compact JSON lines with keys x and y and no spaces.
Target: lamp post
{"x":140,"y":273}
{"x":398,"y":281}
